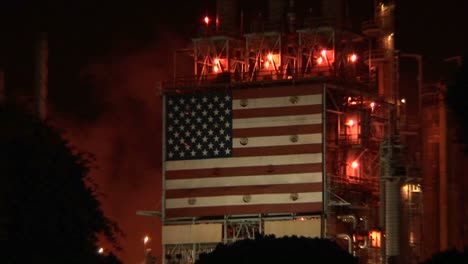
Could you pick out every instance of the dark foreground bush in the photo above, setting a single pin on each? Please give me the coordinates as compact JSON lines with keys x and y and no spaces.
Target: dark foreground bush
{"x":451,"y":256}
{"x":271,"y":250}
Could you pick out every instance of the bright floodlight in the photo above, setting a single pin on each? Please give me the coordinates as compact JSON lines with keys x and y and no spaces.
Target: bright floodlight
{"x":324,"y":53}
{"x":319,"y":60}
{"x":270,"y":56}
{"x":350,"y":122}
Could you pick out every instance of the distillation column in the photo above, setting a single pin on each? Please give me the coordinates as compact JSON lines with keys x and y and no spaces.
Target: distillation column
{"x":392,"y":176}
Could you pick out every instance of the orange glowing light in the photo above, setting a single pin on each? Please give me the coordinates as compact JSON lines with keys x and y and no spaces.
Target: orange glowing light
{"x":216,"y":60}
{"x":267,"y":64}
{"x":375,"y":238}
{"x":319,"y":60}
{"x":353,"y":58}
{"x":215,"y":68}
{"x":206,"y":20}
{"x":350,"y":122}
{"x":324,"y":53}
{"x":403,"y":100}
{"x":101,"y":250}
{"x":270,"y":56}
{"x":372,"y":105}
{"x":146,"y":239}
{"x":354,"y":164}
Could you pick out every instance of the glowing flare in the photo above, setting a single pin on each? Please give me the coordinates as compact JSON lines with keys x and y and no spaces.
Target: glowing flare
{"x":216,"y":60}
{"x":267,"y":64}
{"x":146,"y":239}
{"x":324,"y":53}
{"x":215,"y":68}
{"x":350,"y":123}
{"x":206,"y":20}
{"x":319,"y":60}
{"x":353,"y":58}
{"x":270,"y":56}
{"x":354,"y":164}
{"x":372,"y":105}
{"x":101,"y":250}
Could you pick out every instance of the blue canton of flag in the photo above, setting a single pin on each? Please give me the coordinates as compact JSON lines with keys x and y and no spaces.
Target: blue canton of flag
{"x":198,"y":126}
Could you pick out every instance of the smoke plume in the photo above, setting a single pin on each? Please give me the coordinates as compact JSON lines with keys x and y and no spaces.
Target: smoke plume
{"x":123,"y":130}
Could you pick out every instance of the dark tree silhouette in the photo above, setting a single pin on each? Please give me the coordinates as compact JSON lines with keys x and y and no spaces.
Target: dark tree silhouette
{"x":451,"y":256}
{"x":271,"y":250}
{"x":457,"y":101}
{"x":51,"y":211}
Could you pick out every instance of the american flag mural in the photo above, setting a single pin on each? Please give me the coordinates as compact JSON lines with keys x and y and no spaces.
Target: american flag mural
{"x":243,"y":151}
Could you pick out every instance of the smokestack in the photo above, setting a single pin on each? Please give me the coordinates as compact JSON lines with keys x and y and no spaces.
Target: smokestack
{"x":226,"y":16}
{"x":276,"y":11}
{"x":336,"y":12}
{"x":41,"y":75}
{"x":291,"y":17}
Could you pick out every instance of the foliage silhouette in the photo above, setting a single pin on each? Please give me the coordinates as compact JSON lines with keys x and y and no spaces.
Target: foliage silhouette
{"x":451,"y":256}
{"x":272,"y":250}
{"x":51,"y":211}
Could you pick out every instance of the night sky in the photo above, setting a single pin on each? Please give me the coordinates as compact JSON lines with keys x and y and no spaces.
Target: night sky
{"x":107,"y":56}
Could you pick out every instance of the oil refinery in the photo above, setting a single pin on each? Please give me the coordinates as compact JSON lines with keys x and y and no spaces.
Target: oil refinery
{"x":291,"y":123}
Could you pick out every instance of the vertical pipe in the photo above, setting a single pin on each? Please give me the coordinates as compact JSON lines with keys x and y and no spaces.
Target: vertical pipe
{"x":382,"y":211}
{"x":225,"y":16}
{"x":291,"y":17}
{"x":443,"y":174}
{"x":225,"y":226}
{"x":260,"y":222}
{"x":276,"y":11}
{"x":392,"y":218}
{"x":163,"y":149}
{"x":241,"y":23}
{"x":174,"y":69}
{"x":420,"y":84}
{"x":41,"y":75}
{"x":324,"y":165}
{"x":195,"y":59}
{"x":163,"y":168}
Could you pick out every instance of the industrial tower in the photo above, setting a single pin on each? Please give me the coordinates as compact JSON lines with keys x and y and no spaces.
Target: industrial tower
{"x":314,"y":149}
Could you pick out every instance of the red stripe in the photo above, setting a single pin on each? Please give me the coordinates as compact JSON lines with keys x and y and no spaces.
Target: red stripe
{"x":276,"y":91}
{"x":277,"y":150}
{"x":276,"y":131}
{"x":244,"y":171}
{"x":245,"y":209}
{"x":277,"y":111}
{"x":242,"y":190}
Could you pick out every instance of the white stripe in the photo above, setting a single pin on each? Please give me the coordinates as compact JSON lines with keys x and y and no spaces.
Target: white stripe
{"x":244,"y":180}
{"x":277,"y":121}
{"x":243,"y":161}
{"x":312,"y":99}
{"x":278,"y":141}
{"x":256,"y":199}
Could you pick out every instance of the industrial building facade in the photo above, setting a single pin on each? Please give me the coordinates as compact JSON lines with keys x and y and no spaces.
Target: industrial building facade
{"x":289,"y":126}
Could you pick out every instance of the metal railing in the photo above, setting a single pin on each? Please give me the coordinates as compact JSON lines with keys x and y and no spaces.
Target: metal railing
{"x":324,"y":73}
